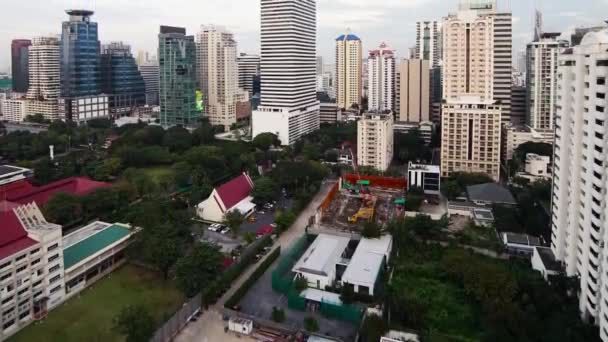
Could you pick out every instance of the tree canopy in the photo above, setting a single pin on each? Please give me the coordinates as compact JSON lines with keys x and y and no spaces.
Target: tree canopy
{"x":135,"y":323}
{"x":198,"y":268}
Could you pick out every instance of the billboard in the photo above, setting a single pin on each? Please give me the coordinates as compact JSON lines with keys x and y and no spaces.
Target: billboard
{"x":199,"y":100}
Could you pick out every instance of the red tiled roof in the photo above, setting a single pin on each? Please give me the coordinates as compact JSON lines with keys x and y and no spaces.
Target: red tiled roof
{"x":78,"y":186}
{"x":235,"y":191}
{"x":13,"y":236}
{"x":7,"y":206}
{"x":266,"y":230}
{"x":15,"y":189}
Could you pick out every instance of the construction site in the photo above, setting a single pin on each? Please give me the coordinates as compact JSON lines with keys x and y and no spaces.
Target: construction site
{"x":357,"y":200}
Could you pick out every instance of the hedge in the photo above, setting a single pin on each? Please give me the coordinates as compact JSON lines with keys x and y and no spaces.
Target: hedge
{"x":240,"y":293}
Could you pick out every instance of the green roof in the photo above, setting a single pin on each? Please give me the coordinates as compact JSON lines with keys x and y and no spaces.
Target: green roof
{"x":6,"y":83}
{"x":93,"y":244}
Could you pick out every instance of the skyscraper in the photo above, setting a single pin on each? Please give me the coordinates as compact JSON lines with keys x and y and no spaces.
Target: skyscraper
{"x":45,"y":82}
{"x":19,"y":64}
{"x":80,"y":56}
{"x":428,"y":43}
{"x":249,"y":69}
{"x":578,"y":238}
{"x":349,"y":69}
{"x":503,"y":62}
{"x":289,"y":106}
{"x":541,"y":80}
{"x":471,"y":117}
{"x":121,"y":79}
{"x":375,"y":140}
{"x":177,"y":65}
{"x":218,"y":78}
{"x":381,"y":69}
{"x":413,"y":77}
{"x":151,"y":74}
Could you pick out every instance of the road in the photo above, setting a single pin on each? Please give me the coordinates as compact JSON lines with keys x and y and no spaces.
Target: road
{"x":210,"y":327}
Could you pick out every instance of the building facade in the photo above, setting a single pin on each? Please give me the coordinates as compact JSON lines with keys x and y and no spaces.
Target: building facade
{"x":541,"y":80}
{"x":177,"y":66}
{"x":428,"y":42}
{"x":330,"y":113}
{"x":412,"y":101}
{"x":518,"y":105}
{"x":249,"y":69}
{"x":45,"y":78}
{"x":289,"y":107}
{"x":121,"y":79}
{"x":14,"y":110}
{"x":20,"y":64}
{"x":150,"y":72}
{"x":514,"y":136}
{"x":375,"y":140}
{"x":218,"y":77}
{"x":381,"y":78}
{"x":579,"y":201}
{"x":349,"y":69}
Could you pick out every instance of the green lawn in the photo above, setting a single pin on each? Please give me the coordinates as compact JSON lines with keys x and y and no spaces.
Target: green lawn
{"x":88,"y":316}
{"x":156,"y":173}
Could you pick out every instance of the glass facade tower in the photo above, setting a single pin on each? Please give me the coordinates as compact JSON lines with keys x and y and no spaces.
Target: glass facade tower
{"x":120,"y":78}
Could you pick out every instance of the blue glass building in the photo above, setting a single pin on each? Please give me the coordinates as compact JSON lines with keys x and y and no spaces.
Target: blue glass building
{"x":121,"y":79}
{"x":80,"y":56}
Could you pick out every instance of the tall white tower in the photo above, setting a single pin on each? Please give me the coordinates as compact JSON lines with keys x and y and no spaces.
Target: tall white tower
{"x":289,"y":106}
{"x":45,"y":84}
{"x":428,"y":43}
{"x":381,"y":78}
{"x":349,"y":67}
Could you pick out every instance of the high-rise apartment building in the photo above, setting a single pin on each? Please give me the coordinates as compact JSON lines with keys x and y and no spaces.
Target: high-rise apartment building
{"x":503,"y":62}
{"x":375,"y":140}
{"x":428,"y":42}
{"x":177,"y":65}
{"x":150,"y":72}
{"x":121,"y":79}
{"x":518,"y":105}
{"x":349,"y":69}
{"x":19,"y":64}
{"x":579,"y":200}
{"x":45,"y":78}
{"x":249,"y":70}
{"x":218,"y":77}
{"x":541,"y":80}
{"x":471,"y":113}
{"x":289,"y":107}
{"x":412,"y":101}
{"x":381,"y":78}
{"x":80,"y":56}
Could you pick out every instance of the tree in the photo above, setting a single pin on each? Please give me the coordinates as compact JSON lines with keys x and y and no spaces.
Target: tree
{"x":311,"y":324}
{"x":371,"y":231}
{"x":144,"y":184}
{"x":234,"y":219}
{"x":264,"y":141}
{"x":264,"y":190}
{"x":347,"y":293}
{"x":451,"y":189}
{"x":198,"y":269}
{"x":182,"y":172}
{"x":63,"y":209}
{"x":311,"y":151}
{"x":102,"y":202}
{"x":164,"y":252}
{"x":135,"y":323}
{"x":249,"y":237}
{"x":36,"y":118}
{"x":278,"y":315}
{"x":284,"y":220}
{"x":177,"y":139}
{"x":373,"y":328}
{"x":301,"y":283}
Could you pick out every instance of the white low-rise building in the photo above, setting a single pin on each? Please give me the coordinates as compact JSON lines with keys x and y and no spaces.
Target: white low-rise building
{"x":543,"y":261}
{"x":517,"y":135}
{"x":83,"y":109}
{"x":318,"y":264}
{"x":537,"y":168}
{"x":14,"y":110}
{"x":10,"y":174}
{"x":367,"y":263}
{"x":234,"y":195}
{"x":425,"y":177}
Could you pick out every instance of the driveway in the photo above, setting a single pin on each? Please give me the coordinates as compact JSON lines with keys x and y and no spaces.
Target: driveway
{"x":267,"y":217}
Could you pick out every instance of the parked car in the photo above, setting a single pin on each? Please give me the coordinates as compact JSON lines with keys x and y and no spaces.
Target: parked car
{"x":273,"y":225}
{"x":214,"y":227}
{"x":225,"y":231}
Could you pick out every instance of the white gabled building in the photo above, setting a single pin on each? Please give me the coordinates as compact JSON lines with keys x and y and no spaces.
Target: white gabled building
{"x":234,"y":195}
{"x":319,"y":263}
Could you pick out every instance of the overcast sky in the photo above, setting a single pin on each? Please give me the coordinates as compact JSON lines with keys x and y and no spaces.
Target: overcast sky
{"x":136,"y":22}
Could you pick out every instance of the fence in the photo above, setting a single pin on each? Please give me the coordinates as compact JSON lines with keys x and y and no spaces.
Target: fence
{"x":178,"y":321}
{"x":381,"y":182}
{"x":282,"y":277}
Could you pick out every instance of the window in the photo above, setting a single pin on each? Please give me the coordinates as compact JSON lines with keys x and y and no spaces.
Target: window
{"x":601,"y":81}
{"x":54,"y":268}
{"x":56,"y":289}
{"x":21,"y":269}
{"x":6,"y":300}
{"x":55,"y":279}
{"x":24,"y":314}
{"x":53,"y":247}
{"x":53,"y":258}
{"x":8,"y":324}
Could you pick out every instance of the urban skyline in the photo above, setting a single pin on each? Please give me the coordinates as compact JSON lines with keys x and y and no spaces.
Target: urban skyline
{"x":373,"y":22}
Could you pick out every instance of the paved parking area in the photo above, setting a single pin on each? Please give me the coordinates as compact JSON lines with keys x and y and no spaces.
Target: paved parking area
{"x":267,"y":217}
{"x":226,"y":242}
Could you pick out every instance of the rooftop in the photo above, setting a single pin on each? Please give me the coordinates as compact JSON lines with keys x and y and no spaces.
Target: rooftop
{"x":347,"y":37}
{"x":548,"y":259}
{"x":235,"y":191}
{"x":490,"y":193}
{"x":7,"y":170}
{"x":13,"y":236}
{"x":322,"y":256}
{"x":521,"y":239}
{"x":89,"y":240}
{"x":424,"y":167}
{"x":367,"y":261}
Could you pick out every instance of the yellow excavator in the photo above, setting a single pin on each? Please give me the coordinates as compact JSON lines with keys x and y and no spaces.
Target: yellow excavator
{"x":363,"y":213}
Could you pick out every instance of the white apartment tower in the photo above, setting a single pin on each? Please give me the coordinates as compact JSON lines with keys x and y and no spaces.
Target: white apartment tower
{"x":288,"y":104}
{"x":349,"y":68}
{"x":428,"y":42}
{"x":45,"y":84}
{"x":249,"y":69}
{"x":580,"y":199}
{"x":541,"y":79}
{"x":375,"y":140}
{"x":381,"y":78}
{"x":412,"y":91}
{"x":471,"y":119}
{"x":218,"y":74}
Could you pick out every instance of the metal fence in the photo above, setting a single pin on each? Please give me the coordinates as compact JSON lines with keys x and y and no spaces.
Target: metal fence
{"x":178,"y":321}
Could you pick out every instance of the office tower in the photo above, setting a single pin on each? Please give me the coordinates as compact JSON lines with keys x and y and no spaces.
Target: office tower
{"x":413,"y":77}
{"x":150,"y":72}
{"x":319,"y":65}
{"x":249,"y":69}
{"x":289,"y":106}
{"x":428,"y":42}
{"x":19,"y":64}
{"x":579,"y":182}
{"x":381,"y":70}
{"x":121,"y":79}
{"x":177,"y":65}
{"x":436,"y":94}
{"x":45,"y":80}
{"x":541,"y":80}
{"x":218,"y":75}
{"x":471,"y":116}
{"x":375,"y":140}
{"x":518,"y":105}
{"x":80,"y":56}
{"x":349,"y":68}
{"x":503,"y":60}
{"x":143,"y":57}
